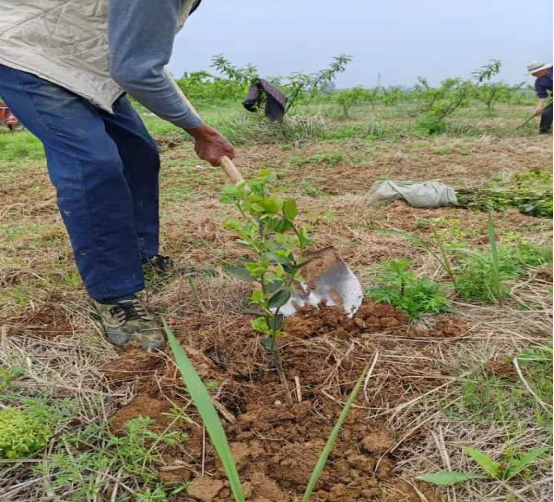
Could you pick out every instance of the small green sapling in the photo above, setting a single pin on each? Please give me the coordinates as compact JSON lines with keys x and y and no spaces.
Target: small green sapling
{"x":267,"y":229}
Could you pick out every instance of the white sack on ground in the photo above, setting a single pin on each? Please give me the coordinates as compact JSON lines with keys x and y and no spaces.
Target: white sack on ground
{"x":426,"y":194}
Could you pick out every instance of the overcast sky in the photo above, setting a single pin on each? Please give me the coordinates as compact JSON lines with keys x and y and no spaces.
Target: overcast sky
{"x":400,"y":39}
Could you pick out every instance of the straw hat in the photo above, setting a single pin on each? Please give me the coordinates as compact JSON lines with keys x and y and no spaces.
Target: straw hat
{"x":536,"y":66}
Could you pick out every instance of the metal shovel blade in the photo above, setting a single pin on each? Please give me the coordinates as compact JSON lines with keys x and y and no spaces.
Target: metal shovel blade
{"x":328,"y":281}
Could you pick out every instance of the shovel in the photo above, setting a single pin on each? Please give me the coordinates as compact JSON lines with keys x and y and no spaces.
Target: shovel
{"x":327,"y":279}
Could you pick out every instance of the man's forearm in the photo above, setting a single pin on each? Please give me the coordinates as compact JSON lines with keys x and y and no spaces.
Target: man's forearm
{"x":540,"y":106}
{"x":141,"y":35}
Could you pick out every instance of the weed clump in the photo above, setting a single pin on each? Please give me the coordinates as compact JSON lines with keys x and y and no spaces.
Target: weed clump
{"x":430,"y":124}
{"x":331,"y":158}
{"x":476,"y":272}
{"x":23,"y":432}
{"x":415,"y":296}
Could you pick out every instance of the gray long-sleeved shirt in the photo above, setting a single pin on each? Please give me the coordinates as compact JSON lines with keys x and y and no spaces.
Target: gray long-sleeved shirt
{"x":141,"y":35}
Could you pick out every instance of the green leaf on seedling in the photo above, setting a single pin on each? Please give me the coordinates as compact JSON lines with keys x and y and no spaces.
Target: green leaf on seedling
{"x":268,"y":342}
{"x":486,"y":463}
{"x":290,"y":209}
{"x":276,"y":322}
{"x":258,"y":268}
{"x":274,"y":286}
{"x":257,"y":295}
{"x":304,"y":237}
{"x":230,"y":193}
{"x":448,"y":478}
{"x":260,"y":324}
{"x":277,"y":225}
{"x":525,"y":460}
{"x":279,"y":299}
{"x":239,"y":272}
{"x":272,"y":205}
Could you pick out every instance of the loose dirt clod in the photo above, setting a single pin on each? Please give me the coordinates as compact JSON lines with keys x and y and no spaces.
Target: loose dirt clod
{"x":140,"y":407}
{"x":205,"y":489}
{"x":377,"y":442}
{"x":371,"y":317}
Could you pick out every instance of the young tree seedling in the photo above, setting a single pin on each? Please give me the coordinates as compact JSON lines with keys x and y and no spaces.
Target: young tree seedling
{"x":267,"y":229}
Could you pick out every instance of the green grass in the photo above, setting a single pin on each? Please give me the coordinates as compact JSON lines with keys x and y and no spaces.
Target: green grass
{"x":310,"y":190}
{"x":503,"y":399}
{"x":21,"y":145}
{"x":136,"y":453}
{"x":331,"y":158}
{"x":482,"y":276}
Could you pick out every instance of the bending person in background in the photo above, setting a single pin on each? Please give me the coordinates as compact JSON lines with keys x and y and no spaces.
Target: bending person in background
{"x":65,"y":66}
{"x":543,"y":86}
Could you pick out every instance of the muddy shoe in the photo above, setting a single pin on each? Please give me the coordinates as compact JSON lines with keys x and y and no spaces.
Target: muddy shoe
{"x":128,"y":321}
{"x":160,"y":264}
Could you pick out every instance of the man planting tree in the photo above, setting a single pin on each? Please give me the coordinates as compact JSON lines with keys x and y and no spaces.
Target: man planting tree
{"x":543,"y":87}
{"x":65,"y":66}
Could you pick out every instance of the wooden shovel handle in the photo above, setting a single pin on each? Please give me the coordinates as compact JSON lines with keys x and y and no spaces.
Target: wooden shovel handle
{"x":231,"y":170}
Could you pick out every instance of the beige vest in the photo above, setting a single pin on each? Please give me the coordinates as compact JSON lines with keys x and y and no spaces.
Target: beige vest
{"x":64,"y":42}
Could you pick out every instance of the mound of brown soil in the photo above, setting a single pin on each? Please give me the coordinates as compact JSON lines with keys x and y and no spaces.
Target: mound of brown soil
{"x":277,"y":436}
{"x":370,"y":318}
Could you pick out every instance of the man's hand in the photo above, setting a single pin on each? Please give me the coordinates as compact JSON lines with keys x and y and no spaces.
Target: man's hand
{"x":540,"y":107}
{"x":211,"y":145}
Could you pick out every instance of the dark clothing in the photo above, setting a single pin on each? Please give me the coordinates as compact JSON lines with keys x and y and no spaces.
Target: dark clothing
{"x":544,"y":84}
{"x":105,"y":170}
{"x":262,"y":91}
{"x":546,"y":120}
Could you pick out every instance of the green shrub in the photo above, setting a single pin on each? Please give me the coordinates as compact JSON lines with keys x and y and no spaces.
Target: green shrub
{"x":430,"y":124}
{"x":352,"y":97}
{"x":413,"y":295}
{"x":23,"y":432}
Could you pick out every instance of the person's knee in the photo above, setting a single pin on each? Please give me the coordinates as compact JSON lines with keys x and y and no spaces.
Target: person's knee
{"x":151,"y":148}
{"x":71,"y":172}
{"x":146,"y":150}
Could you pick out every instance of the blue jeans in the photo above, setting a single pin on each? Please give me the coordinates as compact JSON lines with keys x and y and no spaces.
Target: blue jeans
{"x":105,"y":169}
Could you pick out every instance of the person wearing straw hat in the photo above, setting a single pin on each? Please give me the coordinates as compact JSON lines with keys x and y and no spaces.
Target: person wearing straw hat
{"x":543,"y":87}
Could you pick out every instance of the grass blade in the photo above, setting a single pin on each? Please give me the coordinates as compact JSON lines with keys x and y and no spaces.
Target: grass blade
{"x":496,"y":282}
{"x":206,"y":408}
{"x":322,"y":460}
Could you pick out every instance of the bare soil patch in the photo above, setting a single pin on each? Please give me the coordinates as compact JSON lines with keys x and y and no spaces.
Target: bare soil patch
{"x":276,"y":444}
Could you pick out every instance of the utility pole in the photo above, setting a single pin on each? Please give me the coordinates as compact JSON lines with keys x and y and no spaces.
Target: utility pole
{"x":379,"y":80}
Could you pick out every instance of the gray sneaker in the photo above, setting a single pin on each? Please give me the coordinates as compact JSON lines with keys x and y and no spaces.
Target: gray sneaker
{"x":128,"y":321}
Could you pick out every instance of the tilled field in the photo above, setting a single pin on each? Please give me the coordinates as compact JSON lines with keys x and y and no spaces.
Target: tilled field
{"x":401,"y":425}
